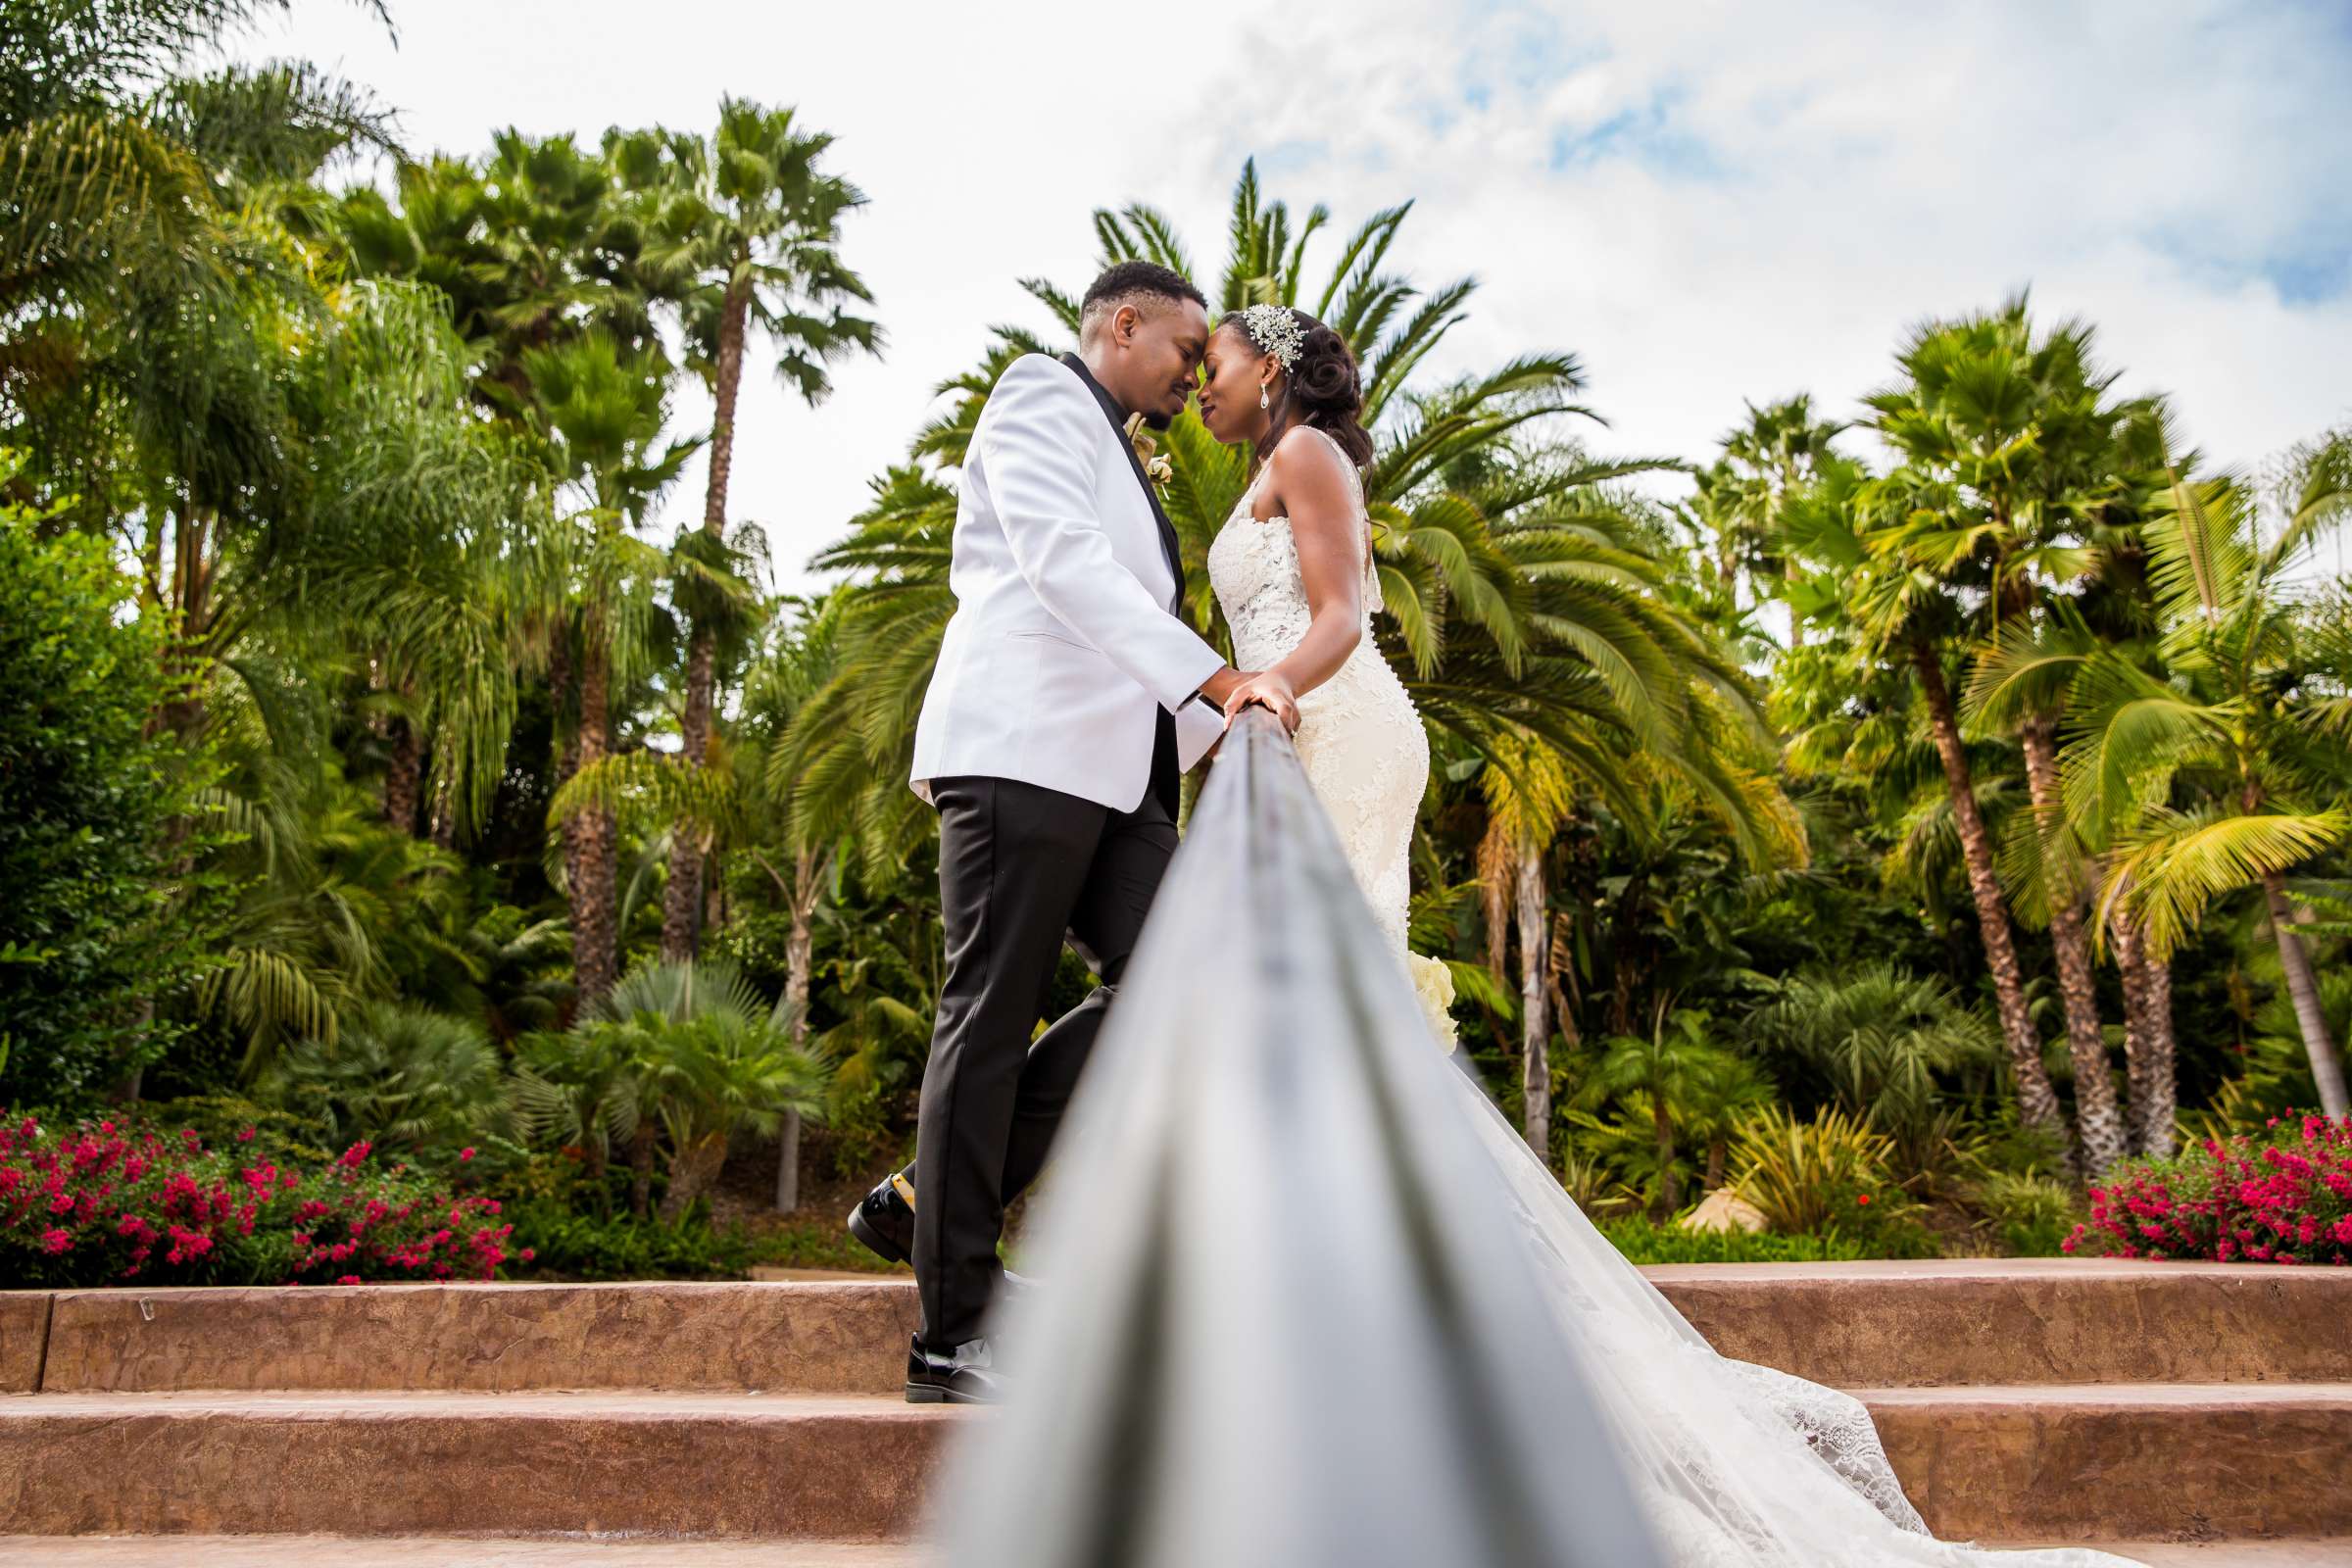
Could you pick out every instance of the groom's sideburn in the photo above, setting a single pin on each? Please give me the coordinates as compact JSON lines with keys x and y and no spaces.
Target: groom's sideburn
{"x":1021,"y":868}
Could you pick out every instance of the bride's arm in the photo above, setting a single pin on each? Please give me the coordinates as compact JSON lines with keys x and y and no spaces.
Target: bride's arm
{"x":1313,"y":489}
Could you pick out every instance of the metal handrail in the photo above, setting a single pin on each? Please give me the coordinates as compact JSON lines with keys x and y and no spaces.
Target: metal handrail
{"x":1286,"y":1318}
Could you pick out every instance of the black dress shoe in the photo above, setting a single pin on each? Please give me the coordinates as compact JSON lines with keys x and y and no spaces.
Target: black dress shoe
{"x":884,"y":1219}
{"x":964,"y":1376}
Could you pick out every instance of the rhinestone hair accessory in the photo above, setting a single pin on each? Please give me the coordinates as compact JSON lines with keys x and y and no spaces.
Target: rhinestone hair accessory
{"x":1276,"y":331}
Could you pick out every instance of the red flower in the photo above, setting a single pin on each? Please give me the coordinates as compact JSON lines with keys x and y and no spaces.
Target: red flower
{"x":465,"y":1154}
{"x":1862,"y":1199}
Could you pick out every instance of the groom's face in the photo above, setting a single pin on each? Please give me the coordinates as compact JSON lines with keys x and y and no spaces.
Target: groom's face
{"x":1158,"y":358}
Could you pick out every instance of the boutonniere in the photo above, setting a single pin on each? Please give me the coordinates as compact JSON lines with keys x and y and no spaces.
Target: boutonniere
{"x":1159,"y":469}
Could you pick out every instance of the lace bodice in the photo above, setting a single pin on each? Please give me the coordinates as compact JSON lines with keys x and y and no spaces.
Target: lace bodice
{"x":1359,"y":736}
{"x":1253,"y":567}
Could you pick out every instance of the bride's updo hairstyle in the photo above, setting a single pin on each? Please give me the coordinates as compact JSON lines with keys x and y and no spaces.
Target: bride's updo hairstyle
{"x":1321,"y":384}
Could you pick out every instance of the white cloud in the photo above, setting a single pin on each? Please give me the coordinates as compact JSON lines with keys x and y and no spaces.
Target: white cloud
{"x":1707,"y":202}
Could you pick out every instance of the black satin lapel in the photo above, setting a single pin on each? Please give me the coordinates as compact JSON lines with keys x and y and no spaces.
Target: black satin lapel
{"x":1118,"y":421}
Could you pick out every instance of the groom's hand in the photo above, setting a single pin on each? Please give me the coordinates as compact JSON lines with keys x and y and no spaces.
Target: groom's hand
{"x":1267,"y":689}
{"x":1220,"y":686}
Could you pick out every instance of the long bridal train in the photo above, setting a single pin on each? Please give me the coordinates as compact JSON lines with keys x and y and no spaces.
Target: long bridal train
{"x":1739,"y":1466}
{"x":1310,"y":1300}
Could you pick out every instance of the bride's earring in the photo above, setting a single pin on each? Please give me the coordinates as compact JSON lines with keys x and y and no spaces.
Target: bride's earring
{"x":1261,"y":396}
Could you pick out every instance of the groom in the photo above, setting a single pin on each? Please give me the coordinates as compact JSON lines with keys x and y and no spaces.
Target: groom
{"x":1068,"y":698}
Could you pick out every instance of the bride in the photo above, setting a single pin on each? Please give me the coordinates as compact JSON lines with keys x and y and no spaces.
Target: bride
{"x":1736,"y":1463}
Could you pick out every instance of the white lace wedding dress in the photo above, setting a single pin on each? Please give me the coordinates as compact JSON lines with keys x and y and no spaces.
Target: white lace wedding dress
{"x":1738,"y":1466}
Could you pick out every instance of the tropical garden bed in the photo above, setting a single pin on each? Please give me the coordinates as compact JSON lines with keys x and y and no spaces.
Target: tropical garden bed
{"x":1905,"y":816}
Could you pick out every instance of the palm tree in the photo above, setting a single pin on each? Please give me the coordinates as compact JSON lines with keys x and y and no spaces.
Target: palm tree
{"x":680,"y":1052}
{"x":606,"y":409}
{"x":1766,"y":462}
{"x":1528,"y":793}
{"x":740,"y":805}
{"x":1904,"y":617}
{"x":2008,"y":444}
{"x":1721,"y":1098}
{"x":2223,"y":776}
{"x":397,"y":1075}
{"x":753,"y":220}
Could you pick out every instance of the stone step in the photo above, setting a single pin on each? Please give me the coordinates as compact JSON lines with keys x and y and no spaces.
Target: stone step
{"x":1955,"y":1322}
{"x":470,"y":1551}
{"x":2051,"y":1462}
{"x":2077,"y":1461}
{"x":2023,"y":1320}
{"x":824,"y":1337}
{"x":475,"y":1551}
{"x":829,"y":1467}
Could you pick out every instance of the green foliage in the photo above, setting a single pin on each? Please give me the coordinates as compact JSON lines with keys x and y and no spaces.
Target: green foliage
{"x":677,"y":1055}
{"x":400,"y":1077}
{"x":568,"y":1245}
{"x":1645,"y":1240}
{"x":2027,"y":1213}
{"x":1902,"y":1051}
{"x":329,"y":552}
{"x":101,"y":925}
{"x":1808,"y":1175}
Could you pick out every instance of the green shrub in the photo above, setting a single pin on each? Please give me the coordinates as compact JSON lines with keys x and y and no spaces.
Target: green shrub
{"x":1643,"y":1242}
{"x":96,"y":930}
{"x":401,"y":1076}
{"x":2029,"y":1214}
{"x":568,"y":1245}
{"x":1803,"y":1176}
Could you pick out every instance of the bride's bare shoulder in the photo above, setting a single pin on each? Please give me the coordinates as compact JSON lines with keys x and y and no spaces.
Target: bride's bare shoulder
{"x":1308,"y":466}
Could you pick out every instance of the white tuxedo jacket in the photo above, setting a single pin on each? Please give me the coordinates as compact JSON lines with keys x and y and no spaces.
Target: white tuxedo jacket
{"x":1064,"y":644}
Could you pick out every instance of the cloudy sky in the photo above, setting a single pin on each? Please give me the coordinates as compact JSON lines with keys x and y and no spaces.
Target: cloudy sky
{"x":1708,"y":203}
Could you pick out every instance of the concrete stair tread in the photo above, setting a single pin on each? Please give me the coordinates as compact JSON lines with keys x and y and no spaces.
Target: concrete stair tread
{"x":478,"y":1551}
{"x":1865,"y":1324}
{"x":445,"y":1552}
{"x":2022,"y":1400}
{"x":603,"y":1463}
{"x":1982,"y":1268}
{"x":604,"y":1404}
{"x":2148,"y":1396}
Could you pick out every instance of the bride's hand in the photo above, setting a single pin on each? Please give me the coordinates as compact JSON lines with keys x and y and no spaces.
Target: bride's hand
{"x":1270,"y":691}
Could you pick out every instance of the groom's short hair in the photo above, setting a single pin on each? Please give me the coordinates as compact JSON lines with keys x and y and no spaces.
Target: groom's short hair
{"x":1133,"y":284}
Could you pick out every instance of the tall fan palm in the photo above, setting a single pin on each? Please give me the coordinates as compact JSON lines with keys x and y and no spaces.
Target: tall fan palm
{"x":606,"y":409}
{"x":536,"y":245}
{"x":2231,"y":773}
{"x":2010,"y":449}
{"x":753,"y":221}
{"x":1766,"y":464}
{"x":1901,"y":618}
{"x":738,"y":805}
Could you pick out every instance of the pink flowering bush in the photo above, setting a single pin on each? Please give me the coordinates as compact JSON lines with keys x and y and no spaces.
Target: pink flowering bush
{"x":2281,"y":1195}
{"x":106,"y":1202}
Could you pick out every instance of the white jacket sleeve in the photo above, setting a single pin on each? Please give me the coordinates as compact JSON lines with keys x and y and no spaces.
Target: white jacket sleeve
{"x":1198,"y":726}
{"x":1038,"y":440}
